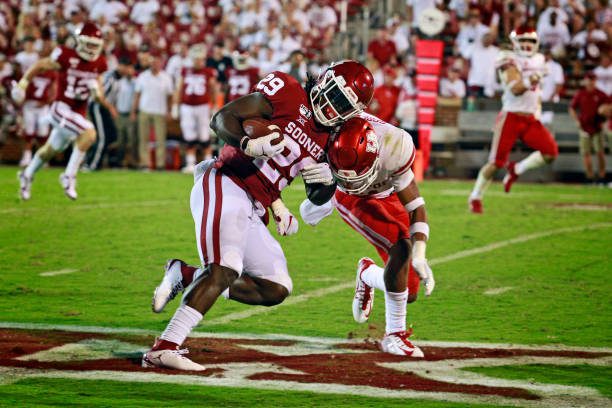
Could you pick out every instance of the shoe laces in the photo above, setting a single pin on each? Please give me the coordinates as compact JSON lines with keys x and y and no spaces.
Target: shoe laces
{"x":175,"y":290}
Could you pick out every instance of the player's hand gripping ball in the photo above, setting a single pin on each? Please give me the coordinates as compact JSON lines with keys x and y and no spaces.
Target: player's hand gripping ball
{"x":263,"y":138}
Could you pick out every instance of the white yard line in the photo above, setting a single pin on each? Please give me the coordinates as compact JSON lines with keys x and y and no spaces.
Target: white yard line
{"x":252,"y":311}
{"x":497,"y":291}
{"x":289,"y":337}
{"x":59,"y":272}
{"x":93,"y":206}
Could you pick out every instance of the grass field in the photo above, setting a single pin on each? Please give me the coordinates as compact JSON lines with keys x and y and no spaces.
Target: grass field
{"x":534,"y":269}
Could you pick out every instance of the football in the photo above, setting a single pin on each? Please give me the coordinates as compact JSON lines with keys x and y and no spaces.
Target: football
{"x":256,"y":127}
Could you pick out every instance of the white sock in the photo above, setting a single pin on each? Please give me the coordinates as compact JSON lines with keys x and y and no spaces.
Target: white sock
{"x":190,"y":159}
{"x":395,"y":311}
{"x":27,"y":155}
{"x":482,"y":183}
{"x":532,"y":161}
{"x":184,"y":320}
{"x":374,"y":276}
{"x":75,"y":161}
{"x":34,"y":165}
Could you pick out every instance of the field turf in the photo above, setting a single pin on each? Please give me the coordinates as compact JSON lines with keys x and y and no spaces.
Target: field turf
{"x":534,"y":269}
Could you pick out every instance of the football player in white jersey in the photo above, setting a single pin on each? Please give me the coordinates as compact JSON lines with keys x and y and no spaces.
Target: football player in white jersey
{"x":520,"y":72}
{"x":377,"y":196}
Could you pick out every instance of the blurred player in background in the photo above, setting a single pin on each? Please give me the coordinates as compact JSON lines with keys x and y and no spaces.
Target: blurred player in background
{"x":40,"y":92}
{"x":78,"y":73}
{"x":520,"y":72}
{"x":195,"y":92}
{"x":242,"y":77}
{"x":378,"y":197}
{"x":240,"y":259}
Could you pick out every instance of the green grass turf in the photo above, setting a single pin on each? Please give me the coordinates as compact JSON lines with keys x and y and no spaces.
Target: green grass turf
{"x":54,"y":392}
{"x":599,"y":378}
{"x":125,"y":225}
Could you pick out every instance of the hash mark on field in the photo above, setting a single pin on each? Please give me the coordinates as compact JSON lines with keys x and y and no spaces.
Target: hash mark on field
{"x":497,"y":291}
{"x":252,"y":311}
{"x":58,"y":272}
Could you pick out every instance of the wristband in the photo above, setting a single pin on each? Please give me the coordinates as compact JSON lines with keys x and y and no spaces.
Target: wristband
{"x":421,"y":227}
{"x":414,"y":204}
{"x":243,"y":143}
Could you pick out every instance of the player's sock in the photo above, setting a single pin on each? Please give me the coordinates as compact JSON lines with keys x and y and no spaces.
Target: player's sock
{"x":395,"y":311}
{"x":34,"y":165}
{"x":190,"y":159}
{"x":481,"y":185}
{"x":75,"y":161}
{"x":184,"y":320}
{"x":374,"y":276}
{"x":532,"y":161}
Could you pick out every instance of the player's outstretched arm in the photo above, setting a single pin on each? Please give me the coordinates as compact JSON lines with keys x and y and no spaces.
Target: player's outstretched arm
{"x":320,"y":193}
{"x":42,"y":65}
{"x":419,"y":233}
{"x":227,"y":122}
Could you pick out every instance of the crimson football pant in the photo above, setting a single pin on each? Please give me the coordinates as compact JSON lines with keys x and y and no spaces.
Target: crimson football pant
{"x":511,"y":126}
{"x":381,"y":221}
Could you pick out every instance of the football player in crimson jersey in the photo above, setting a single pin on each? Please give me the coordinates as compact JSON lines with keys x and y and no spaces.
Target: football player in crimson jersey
{"x":38,"y":95}
{"x":195,"y":91}
{"x":240,"y":259}
{"x":378,"y":197}
{"x":79,"y":76}
{"x":241,"y":78}
{"x":520,"y":71}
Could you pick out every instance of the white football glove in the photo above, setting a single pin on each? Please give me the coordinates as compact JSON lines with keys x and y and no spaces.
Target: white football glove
{"x":421,"y":267}
{"x":18,"y":91}
{"x":262,"y":146}
{"x":286,"y":223}
{"x":318,"y":173}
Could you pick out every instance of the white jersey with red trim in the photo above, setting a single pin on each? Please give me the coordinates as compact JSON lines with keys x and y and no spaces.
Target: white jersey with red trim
{"x":530,"y":100}
{"x":396,"y":155}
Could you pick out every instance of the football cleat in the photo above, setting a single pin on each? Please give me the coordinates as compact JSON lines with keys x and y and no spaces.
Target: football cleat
{"x":510,"y":177}
{"x":476,"y":205}
{"x":69,"y":185}
{"x":364,"y":294}
{"x":170,"y":286}
{"x":25,"y":186}
{"x":397,"y":343}
{"x":170,"y":358}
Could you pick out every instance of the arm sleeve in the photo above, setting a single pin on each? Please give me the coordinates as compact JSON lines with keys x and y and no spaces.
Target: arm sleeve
{"x":403,"y":158}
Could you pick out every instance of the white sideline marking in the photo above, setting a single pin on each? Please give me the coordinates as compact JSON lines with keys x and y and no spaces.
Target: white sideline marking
{"x":497,"y":291}
{"x":280,"y":336}
{"x":252,"y":311}
{"x":59,"y":272}
{"x":93,"y":206}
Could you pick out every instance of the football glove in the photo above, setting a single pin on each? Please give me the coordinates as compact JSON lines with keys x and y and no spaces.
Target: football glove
{"x":422,"y":268}
{"x":262,"y":146}
{"x":286,"y":223}
{"x":318,"y":173}
{"x":18,"y":91}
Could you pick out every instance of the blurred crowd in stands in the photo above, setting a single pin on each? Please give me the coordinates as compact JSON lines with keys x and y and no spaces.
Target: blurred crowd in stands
{"x":296,"y":37}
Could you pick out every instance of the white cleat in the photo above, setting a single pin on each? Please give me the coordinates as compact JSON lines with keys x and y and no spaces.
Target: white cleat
{"x":26,"y":158}
{"x":173,"y":359}
{"x":364,"y":294}
{"x":170,"y":286}
{"x":25,"y":186}
{"x":68,"y":183}
{"x":399,"y":345}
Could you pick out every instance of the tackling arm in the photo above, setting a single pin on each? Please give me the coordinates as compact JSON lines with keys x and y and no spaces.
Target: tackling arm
{"x":419,"y":233}
{"x":320,"y":193}
{"x":227,"y":122}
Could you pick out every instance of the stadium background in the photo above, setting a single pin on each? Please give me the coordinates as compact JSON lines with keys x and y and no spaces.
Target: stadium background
{"x":533,"y":270}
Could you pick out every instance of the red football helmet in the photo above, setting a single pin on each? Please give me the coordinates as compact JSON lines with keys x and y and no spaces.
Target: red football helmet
{"x":342,"y":91}
{"x":353,"y":155}
{"x":89,"y":42}
{"x":525,"y":41}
